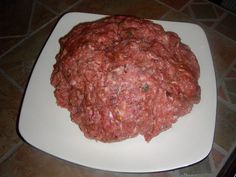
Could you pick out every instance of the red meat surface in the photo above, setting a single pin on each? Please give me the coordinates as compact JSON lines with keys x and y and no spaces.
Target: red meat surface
{"x":123,"y":76}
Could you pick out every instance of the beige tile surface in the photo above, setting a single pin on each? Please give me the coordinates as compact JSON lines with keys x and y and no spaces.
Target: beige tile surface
{"x":227,"y":26}
{"x":10,"y":99}
{"x":40,"y":16}
{"x":30,"y":162}
{"x":58,"y":7}
{"x":222,"y":50}
{"x":7,"y":43}
{"x":177,"y":16}
{"x":15,"y":17}
{"x":217,"y":157}
{"x":141,"y":8}
{"x":225,"y":131}
{"x":202,"y":167}
{"x":19,"y":62}
{"x":177,"y":5}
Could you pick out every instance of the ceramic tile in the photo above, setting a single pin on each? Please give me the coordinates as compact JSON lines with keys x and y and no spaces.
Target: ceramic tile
{"x":199,"y":1}
{"x":14,"y":17}
{"x":10,"y":99}
{"x":147,"y":9}
{"x":231,"y":85}
{"x":58,"y":6}
{"x":177,"y":16}
{"x":207,"y":23}
{"x":41,"y":16}
{"x":198,"y":168}
{"x":141,"y":8}
{"x":222,"y":50}
{"x":187,"y":11}
{"x":159,"y":174}
{"x":28,"y":162}
{"x":227,"y":26}
{"x":175,"y":4}
{"x":217,"y":157}
{"x":220,"y":11}
{"x":231,"y":117}
{"x":232,"y":98}
{"x":203,"y":11}
{"x":7,"y":43}
{"x":229,"y":5}
{"x":130,"y":174}
{"x":18,"y":63}
{"x":225,"y":131}
{"x":231,"y":74}
{"x":222,"y":93}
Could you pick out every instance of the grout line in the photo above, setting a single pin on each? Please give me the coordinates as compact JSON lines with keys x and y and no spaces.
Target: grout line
{"x":186,"y":5}
{"x":214,"y":9}
{"x":206,"y":2}
{"x":222,"y":35}
{"x":224,"y":75}
{"x":11,"y":151}
{"x":37,"y":30}
{"x":225,"y":90}
{"x":220,"y":149}
{"x":232,"y":93}
{"x":77,"y":2}
{"x":47,"y":7}
{"x":13,"y":36}
{"x":192,"y":14}
{"x":225,"y":13}
{"x":229,"y":68}
{"x":207,"y":19}
{"x":228,"y":103}
{"x":221,"y":165}
{"x":165,"y":14}
{"x":231,"y":106}
{"x":27,"y":37}
{"x":31,"y":17}
{"x":230,"y":78}
{"x":2,"y":72}
{"x":12,"y":81}
{"x":162,"y":3}
{"x":29,"y":24}
{"x":211,"y":163}
{"x":218,"y":20}
{"x":219,"y":33}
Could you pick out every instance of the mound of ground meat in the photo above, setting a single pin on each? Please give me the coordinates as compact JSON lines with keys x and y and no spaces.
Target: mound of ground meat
{"x":123,"y":76}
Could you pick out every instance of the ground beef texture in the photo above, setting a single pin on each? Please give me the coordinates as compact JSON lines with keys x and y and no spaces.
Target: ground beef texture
{"x":121,"y":76}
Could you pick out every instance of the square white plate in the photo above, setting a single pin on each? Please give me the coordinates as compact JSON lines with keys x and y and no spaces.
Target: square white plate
{"x":48,"y":127}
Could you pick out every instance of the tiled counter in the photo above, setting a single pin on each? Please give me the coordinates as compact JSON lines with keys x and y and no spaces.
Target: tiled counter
{"x":24,"y":28}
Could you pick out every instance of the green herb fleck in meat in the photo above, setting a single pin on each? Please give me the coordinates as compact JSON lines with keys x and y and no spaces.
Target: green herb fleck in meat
{"x":145,"y":87}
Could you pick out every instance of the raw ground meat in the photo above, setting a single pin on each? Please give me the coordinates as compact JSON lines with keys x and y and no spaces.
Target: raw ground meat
{"x":124,"y":76}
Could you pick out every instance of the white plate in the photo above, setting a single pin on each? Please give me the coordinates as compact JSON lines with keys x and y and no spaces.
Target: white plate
{"x":48,"y":127}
